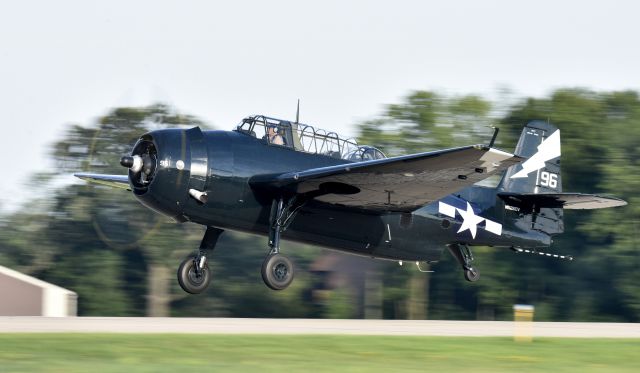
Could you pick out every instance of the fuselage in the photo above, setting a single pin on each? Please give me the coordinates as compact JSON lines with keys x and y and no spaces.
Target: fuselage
{"x":221,"y":164}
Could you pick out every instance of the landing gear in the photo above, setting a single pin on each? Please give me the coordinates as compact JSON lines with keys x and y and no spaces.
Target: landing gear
{"x":463,"y":255}
{"x":471,"y":274}
{"x":193,"y":273}
{"x":277,"y":269}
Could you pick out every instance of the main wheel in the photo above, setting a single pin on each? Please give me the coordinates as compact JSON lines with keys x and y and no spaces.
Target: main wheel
{"x":277,"y":271}
{"x":471,"y":274}
{"x":190,"y":280}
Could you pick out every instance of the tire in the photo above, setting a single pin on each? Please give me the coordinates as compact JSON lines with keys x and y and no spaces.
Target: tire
{"x":277,"y":271}
{"x":471,"y":275}
{"x":188,"y":279}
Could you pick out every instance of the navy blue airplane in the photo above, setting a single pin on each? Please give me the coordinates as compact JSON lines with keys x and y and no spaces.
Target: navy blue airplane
{"x":276,"y":178}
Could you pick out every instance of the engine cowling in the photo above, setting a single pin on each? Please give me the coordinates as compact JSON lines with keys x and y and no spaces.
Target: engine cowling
{"x":165,"y":165}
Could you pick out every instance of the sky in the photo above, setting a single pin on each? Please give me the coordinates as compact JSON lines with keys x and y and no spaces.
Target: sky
{"x":68,"y":62}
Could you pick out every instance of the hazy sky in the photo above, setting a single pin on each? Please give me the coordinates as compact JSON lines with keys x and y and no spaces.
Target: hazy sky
{"x":67,"y":62}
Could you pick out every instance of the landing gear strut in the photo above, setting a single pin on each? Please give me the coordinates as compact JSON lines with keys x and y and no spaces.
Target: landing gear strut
{"x":463,"y":255}
{"x":193,"y":273}
{"x":277,"y":269}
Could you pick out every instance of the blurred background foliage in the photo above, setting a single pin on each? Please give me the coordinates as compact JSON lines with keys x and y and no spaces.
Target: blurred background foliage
{"x":121,"y":258}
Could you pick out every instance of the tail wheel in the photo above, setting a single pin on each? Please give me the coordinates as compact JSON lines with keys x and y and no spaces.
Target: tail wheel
{"x":471,"y":274}
{"x":277,"y":271}
{"x":193,"y":280}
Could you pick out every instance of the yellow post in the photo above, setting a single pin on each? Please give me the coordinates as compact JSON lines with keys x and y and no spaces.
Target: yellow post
{"x":523,"y":317}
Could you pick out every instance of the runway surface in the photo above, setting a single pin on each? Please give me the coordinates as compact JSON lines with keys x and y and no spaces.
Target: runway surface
{"x":313,"y":326}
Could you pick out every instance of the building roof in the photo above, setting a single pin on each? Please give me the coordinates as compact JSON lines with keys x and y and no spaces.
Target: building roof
{"x":31,"y":280}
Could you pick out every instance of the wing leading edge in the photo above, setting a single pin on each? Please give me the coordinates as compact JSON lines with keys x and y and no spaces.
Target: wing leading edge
{"x":403,"y":183}
{"x":115,"y":181}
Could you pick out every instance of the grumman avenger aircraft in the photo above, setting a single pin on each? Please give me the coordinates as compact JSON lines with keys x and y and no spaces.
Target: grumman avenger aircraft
{"x":278,"y":178}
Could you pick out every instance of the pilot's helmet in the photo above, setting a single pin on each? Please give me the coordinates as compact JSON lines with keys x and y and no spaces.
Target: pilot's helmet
{"x":276,"y":128}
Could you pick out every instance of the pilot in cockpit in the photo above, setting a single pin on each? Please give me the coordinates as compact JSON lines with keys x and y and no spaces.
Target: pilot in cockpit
{"x":273,"y":136}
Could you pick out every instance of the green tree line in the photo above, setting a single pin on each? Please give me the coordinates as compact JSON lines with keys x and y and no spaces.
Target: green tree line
{"x":121,"y":258}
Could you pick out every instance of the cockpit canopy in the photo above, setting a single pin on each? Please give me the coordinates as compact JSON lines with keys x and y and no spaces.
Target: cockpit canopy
{"x":305,"y":138}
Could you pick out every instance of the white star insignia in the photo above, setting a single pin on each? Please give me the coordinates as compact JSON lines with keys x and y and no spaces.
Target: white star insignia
{"x":470,"y":220}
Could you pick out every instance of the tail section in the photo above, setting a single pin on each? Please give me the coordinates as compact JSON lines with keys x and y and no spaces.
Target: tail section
{"x":539,"y":143}
{"x":534,"y":188}
{"x":540,"y":173}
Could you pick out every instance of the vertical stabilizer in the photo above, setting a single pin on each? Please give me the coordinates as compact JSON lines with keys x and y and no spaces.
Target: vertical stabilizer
{"x":540,"y":173}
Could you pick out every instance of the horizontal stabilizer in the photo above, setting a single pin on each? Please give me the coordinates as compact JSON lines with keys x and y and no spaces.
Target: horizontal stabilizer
{"x":115,"y":181}
{"x":569,"y":201}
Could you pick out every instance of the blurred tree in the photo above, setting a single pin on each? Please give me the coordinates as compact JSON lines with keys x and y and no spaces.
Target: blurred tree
{"x":109,"y":252}
{"x":340,"y":305}
{"x":120,"y":257}
{"x":427,"y":121}
{"x":611,"y":236}
{"x":137,"y":240}
{"x":237,"y":289}
{"x":599,"y":154}
{"x":424,"y":121}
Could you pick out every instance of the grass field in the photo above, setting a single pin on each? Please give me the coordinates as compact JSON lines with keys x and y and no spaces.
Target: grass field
{"x":264,"y":353}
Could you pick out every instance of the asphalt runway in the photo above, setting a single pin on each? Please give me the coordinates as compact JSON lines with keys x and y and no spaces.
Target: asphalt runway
{"x":314,"y":326}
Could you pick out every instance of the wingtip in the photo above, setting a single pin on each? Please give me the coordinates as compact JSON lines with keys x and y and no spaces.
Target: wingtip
{"x":621,"y":202}
{"x":82,"y":175}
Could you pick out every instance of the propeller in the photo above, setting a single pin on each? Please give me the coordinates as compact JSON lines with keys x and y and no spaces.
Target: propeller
{"x":143,"y":165}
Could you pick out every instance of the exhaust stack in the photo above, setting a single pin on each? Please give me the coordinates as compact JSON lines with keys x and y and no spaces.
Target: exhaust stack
{"x":198,"y":195}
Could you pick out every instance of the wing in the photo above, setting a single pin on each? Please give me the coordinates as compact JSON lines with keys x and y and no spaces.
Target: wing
{"x":115,"y":181}
{"x":402,"y":183}
{"x":568,"y":201}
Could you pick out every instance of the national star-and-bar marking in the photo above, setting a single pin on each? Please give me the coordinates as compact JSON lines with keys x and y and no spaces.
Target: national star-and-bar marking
{"x":470,"y":220}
